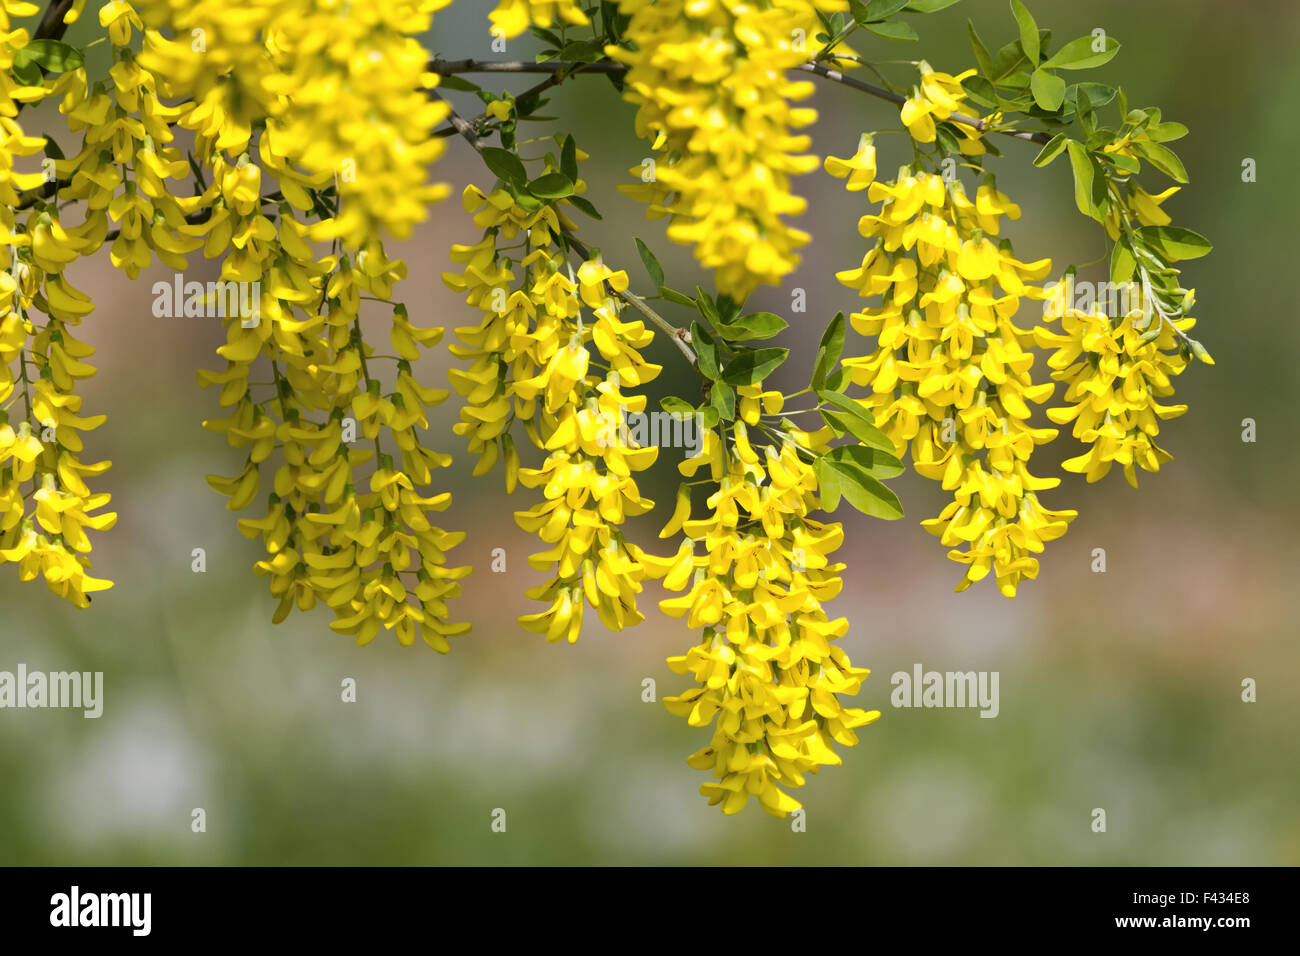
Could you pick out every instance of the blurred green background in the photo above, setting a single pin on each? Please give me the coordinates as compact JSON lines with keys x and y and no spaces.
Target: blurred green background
{"x":1119,"y":690}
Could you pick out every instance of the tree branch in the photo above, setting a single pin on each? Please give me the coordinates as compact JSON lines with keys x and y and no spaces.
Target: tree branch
{"x":52,"y":26}
{"x":449,"y":67}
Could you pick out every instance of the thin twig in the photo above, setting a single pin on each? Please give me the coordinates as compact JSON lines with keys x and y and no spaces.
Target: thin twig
{"x":680,"y":337}
{"x":448,"y":67}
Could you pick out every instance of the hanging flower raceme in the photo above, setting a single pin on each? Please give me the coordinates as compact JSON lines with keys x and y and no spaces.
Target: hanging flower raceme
{"x":950,"y":375}
{"x":359,"y":540}
{"x":343,"y":91}
{"x":538,"y":357}
{"x":755,"y":572}
{"x":1114,"y":373}
{"x":46,"y":506}
{"x":710,"y":83}
{"x":40,"y":456}
{"x":125,"y":171}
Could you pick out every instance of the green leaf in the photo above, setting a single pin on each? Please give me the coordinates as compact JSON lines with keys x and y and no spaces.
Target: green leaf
{"x":858,"y":421}
{"x":1167,"y":132}
{"x":981,"y":51}
{"x":1028,"y":31}
{"x":676,"y":406}
{"x":1055,"y":146}
{"x":948,"y":137}
{"x":458,"y":83}
{"x":828,"y":485}
{"x":675,"y":297}
{"x":981,"y":91}
{"x":585,"y":206}
{"x":551,"y":186}
{"x":929,"y":6}
{"x":1097,"y":95}
{"x":866,"y":493}
{"x":582,"y":51}
{"x":1162,"y":158}
{"x":874,"y":462}
{"x":1048,"y":90}
{"x":1088,"y":177}
{"x":843,"y":423}
{"x":708,"y":416}
{"x":704,"y":305}
{"x":1079,"y":54}
{"x":652,"y":267}
{"x":881,"y":9}
{"x":1175,"y":243}
{"x":706,"y":351}
{"x":1125,"y":164}
{"x":569,"y":158}
{"x":828,"y":350}
{"x":1122,"y":262}
{"x":892,"y":30}
{"x":505,"y":164}
{"x":543,"y":34}
{"x":26,"y":71}
{"x":723,"y":399}
{"x":756,"y":325}
{"x":53,"y":55}
{"x":753,"y":365}
{"x":728,"y":309}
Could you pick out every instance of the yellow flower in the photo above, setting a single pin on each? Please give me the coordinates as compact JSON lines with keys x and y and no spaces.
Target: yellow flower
{"x":1114,"y":379}
{"x":950,"y":376}
{"x":860,"y":168}
{"x":513,"y":17}
{"x":938,"y":96}
{"x":767,"y":673}
{"x":710,"y":83}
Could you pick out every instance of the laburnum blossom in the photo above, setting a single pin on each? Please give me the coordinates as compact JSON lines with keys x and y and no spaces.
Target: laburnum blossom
{"x":1114,"y":374}
{"x":341,"y":88}
{"x":936,"y":97}
{"x":297,"y":203}
{"x":710,"y":80}
{"x":513,"y":17}
{"x":349,"y":511}
{"x":950,"y":374}
{"x":554,"y":352}
{"x":755,"y":574}
{"x":46,"y":505}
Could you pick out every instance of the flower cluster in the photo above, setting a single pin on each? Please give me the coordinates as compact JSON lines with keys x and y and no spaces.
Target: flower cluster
{"x":512,"y":17}
{"x":1114,"y":374}
{"x":555,"y":353}
{"x":710,"y":82}
{"x":362,"y":543}
{"x":46,"y":507}
{"x":342,"y":90}
{"x":767,"y":670}
{"x":950,"y":373}
{"x":937,"y":97}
